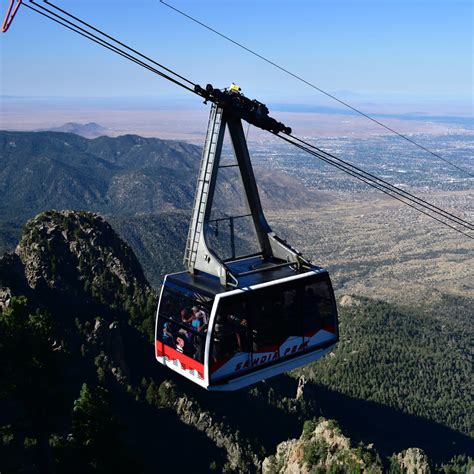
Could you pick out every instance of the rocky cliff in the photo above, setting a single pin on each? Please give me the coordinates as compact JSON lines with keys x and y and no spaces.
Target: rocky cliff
{"x":75,"y":295}
{"x":75,"y":260}
{"x":322,"y":447}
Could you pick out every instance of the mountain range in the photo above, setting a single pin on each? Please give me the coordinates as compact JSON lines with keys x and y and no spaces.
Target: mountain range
{"x":124,"y":178}
{"x":124,"y":175}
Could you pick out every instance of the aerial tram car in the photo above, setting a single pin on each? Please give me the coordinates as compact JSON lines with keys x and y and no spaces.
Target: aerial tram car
{"x":226,"y":324}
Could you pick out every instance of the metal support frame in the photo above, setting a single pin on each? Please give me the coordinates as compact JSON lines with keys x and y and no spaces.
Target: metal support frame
{"x":198,"y":255}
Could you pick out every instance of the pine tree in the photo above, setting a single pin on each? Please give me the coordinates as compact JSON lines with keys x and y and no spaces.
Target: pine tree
{"x":96,"y":433}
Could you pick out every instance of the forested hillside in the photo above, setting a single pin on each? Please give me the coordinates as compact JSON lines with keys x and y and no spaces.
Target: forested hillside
{"x":126,"y":175}
{"x":123,"y":177}
{"x":417,"y":360}
{"x":87,"y":395}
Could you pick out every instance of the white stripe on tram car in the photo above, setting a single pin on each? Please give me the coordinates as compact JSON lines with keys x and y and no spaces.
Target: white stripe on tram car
{"x":271,"y":371}
{"x":293,"y":345}
{"x":175,"y":365}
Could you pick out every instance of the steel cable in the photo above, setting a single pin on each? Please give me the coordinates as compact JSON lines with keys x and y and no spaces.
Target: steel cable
{"x":395,"y":189}
{"x":367,"y":180}
{"x":352,"y":170}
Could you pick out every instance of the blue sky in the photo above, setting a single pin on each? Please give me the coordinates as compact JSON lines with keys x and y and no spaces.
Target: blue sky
{"x":413,"y":51}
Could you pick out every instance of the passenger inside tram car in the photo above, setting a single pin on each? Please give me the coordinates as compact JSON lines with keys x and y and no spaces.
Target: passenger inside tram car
{"x":199,"y":323}
{"x":184,"y":323}
{"x":180,"y":344}
{"x":230,"y":333}
{"x":167,"y":336}
{"x":243,"y":324}
{"x":200,"y":320}
{"x":189,"y":339}
{"x":241,"y":332}
{"x":186,"y":315}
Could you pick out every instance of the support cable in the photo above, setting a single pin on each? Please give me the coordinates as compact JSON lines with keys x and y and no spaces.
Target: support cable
{"x":395,"y":189}
{"x":369,"y":182}
{"x":322,"y":91}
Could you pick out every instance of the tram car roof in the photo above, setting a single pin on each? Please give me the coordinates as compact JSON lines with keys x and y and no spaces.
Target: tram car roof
{"x":258,"y":272}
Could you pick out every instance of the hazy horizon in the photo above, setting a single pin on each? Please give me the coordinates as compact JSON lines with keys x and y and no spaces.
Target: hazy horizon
{"x":187,"y":120}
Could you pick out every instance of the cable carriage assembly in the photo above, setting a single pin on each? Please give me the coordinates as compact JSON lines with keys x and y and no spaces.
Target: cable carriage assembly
{"x":228,"y":324}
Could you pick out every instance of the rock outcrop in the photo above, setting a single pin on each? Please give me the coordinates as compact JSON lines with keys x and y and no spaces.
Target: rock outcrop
{"x":348,"y":301}
{"x":68,"y":250}
{"x":75,"y":267}
{"x":321,"y":448}
{"x":413,"y":461}
{"x":75,"y":259}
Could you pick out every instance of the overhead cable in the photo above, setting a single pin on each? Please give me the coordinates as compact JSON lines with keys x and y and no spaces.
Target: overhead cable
{"x":367,"y":180}
{"x":312,"y":85}
{"x":395,"y":189}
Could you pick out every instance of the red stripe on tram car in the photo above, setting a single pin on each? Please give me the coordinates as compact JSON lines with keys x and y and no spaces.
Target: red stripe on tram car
{"x":187,"y":363}
{"x":158,"y":349}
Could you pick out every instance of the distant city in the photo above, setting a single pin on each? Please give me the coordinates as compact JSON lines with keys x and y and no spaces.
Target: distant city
{"x":390,"y":158}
